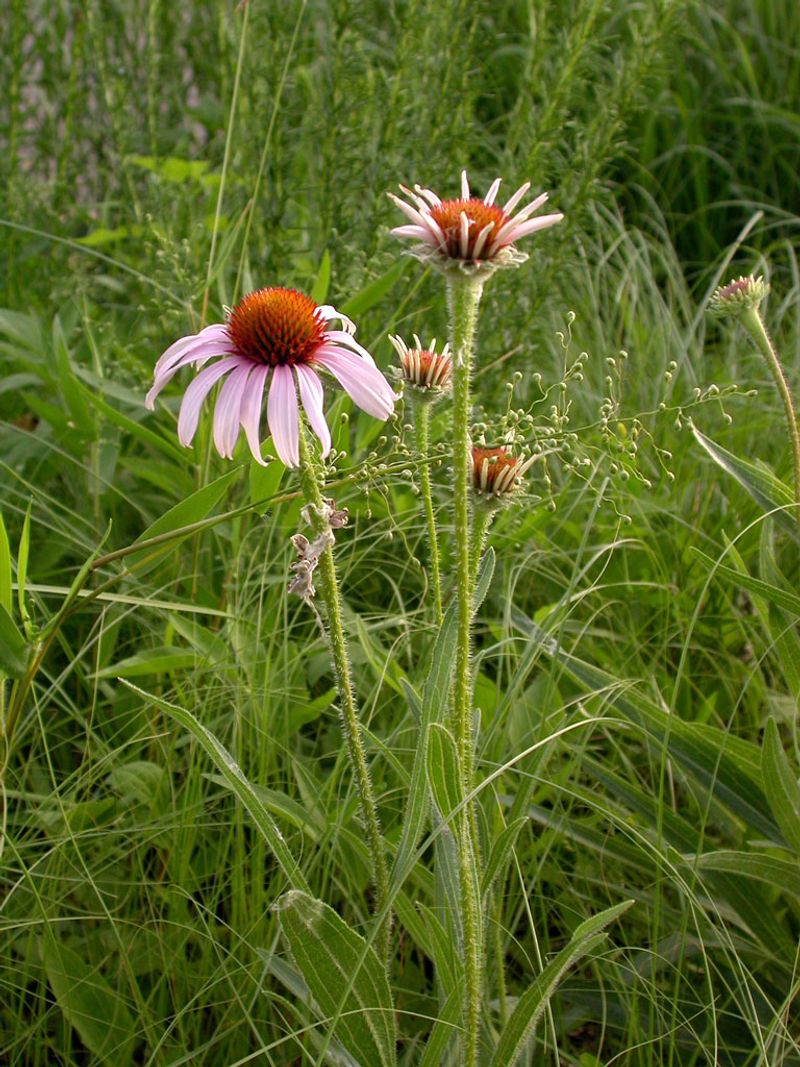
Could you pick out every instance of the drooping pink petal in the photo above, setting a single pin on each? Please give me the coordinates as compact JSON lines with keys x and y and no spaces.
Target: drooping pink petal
{"x":197,"y":353}
{"x":422,"y":233}
{"x":226,"y":410}
{"x":215,"y":332}
{"x":196,"y":392}
{"x":283,"y":416}
{"x":363,"y":381}
{"x":341,"y":338}
{"x":312,"y":396}
{"x":250,"y":410}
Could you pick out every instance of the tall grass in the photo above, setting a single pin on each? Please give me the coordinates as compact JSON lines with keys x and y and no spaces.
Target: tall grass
{"x":138,"y":921}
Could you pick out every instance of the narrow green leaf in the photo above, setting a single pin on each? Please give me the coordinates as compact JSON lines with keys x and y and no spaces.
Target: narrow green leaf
{"x":374,"y":292}
{"x":768,"y":491}
{"x":434,"y":702}
{"x":193,"y":509}
{"x":13,"y":648}
{"x":501,"y":850}
{"x":530,"y":1006}
{"x":781,"y":874}
{"x":22,"y":566}
{"x":780,"y":785}
{"x":319,"y":290}
{"x":723,"y":764}
{"x":154,"y":661}
{"x":779,"y":597}
{"x":345,"y":978}
{"x":447,"y":1025}
{"x":236,"y":781}
{"x":71,"y":390}
{"x":484,"y":579}
{"x":444,"y":776}
{"x":90,"y":1005}
{"x":134,"y":428}
{"x":6,"y":578}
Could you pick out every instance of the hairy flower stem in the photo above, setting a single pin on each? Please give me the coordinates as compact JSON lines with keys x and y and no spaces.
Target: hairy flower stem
{"x":752,"y":322}
{"x":351,"y":727}
{"x":463,"y":297}
{"x":482,"y":517}
{"x":422,"y":433}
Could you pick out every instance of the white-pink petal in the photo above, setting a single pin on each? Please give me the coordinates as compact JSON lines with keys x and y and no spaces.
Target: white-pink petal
{"x":493,"y":191}
{"x":283,"y":416}
{"x":328,"y":312}
{"x":198,"y":353}
{"x":196,"y":392}
{"x":250,"y":410}
{"x":312,"y":396}
{"x":422,"y":233}
{"x":341,"y":338}
{"x":534,"y":225}
{"x":364,"y":382}
{"x":217,"y":331}
{"x":512,"y":201}
{"x":464,"y":186}
{"x":227,"y":408}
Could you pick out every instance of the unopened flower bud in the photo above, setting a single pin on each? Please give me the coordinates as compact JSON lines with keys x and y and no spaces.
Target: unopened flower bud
{"x":743,"y":294}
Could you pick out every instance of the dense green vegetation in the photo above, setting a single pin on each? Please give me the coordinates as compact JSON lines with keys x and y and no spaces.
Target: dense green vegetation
{"x":638,"y":638}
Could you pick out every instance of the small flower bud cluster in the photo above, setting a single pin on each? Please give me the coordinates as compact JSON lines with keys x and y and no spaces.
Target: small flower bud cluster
{"x":742,"y":294}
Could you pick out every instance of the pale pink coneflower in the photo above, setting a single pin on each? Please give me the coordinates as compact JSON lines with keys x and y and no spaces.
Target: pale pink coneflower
{"x":427,"y":371}
{"x":284,"y":337}
{"x":470,"y":235}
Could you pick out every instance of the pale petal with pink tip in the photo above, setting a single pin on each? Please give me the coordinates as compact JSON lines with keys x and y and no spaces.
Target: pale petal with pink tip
{"x":283,"y":416}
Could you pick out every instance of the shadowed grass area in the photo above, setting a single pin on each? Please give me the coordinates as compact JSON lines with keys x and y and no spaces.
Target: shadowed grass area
{"x":638,"y":633}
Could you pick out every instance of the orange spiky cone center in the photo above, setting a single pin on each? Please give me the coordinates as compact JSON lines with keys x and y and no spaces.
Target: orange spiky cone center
{"x":487,"y":466}
{"x":276,"y":326}
{"x":448,"y":216}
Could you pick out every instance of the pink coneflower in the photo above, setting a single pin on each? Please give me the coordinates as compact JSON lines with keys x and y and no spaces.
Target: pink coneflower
{"x":469,"y":234}
{"x":428,"y":371}
{"x":285,"y":334}
{"x":496,"y":472}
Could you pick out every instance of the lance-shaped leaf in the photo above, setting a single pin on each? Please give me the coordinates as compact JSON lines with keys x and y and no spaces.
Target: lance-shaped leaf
{"x":344,"y":976}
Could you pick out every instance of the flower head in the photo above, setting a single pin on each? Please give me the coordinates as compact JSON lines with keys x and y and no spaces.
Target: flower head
{"x":283,"y":337}
{"x":742,"y":294}
{"x":496,"y":473}
{"x":427,"y":371}
{"x":470,"y":235}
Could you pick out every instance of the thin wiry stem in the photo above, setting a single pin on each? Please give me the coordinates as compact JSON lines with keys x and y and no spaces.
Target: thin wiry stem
{"x":422,"y":424}
{"x":754,"y":324}
{"x":351,"y":726}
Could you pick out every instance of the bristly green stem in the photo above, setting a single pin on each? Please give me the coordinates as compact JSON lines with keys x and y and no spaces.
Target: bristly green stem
{"x":422,"y":432}
{"x":351,"y":727}
{"x":463,"y":297}
{"x":482,"y":517}
{"x":751,"y":320}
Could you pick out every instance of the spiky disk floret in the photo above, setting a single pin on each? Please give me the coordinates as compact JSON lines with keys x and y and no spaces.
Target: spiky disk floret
{"x":276,"y":326}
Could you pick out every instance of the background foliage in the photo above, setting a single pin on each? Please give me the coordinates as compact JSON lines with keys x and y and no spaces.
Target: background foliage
{"x":160,"y":160}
